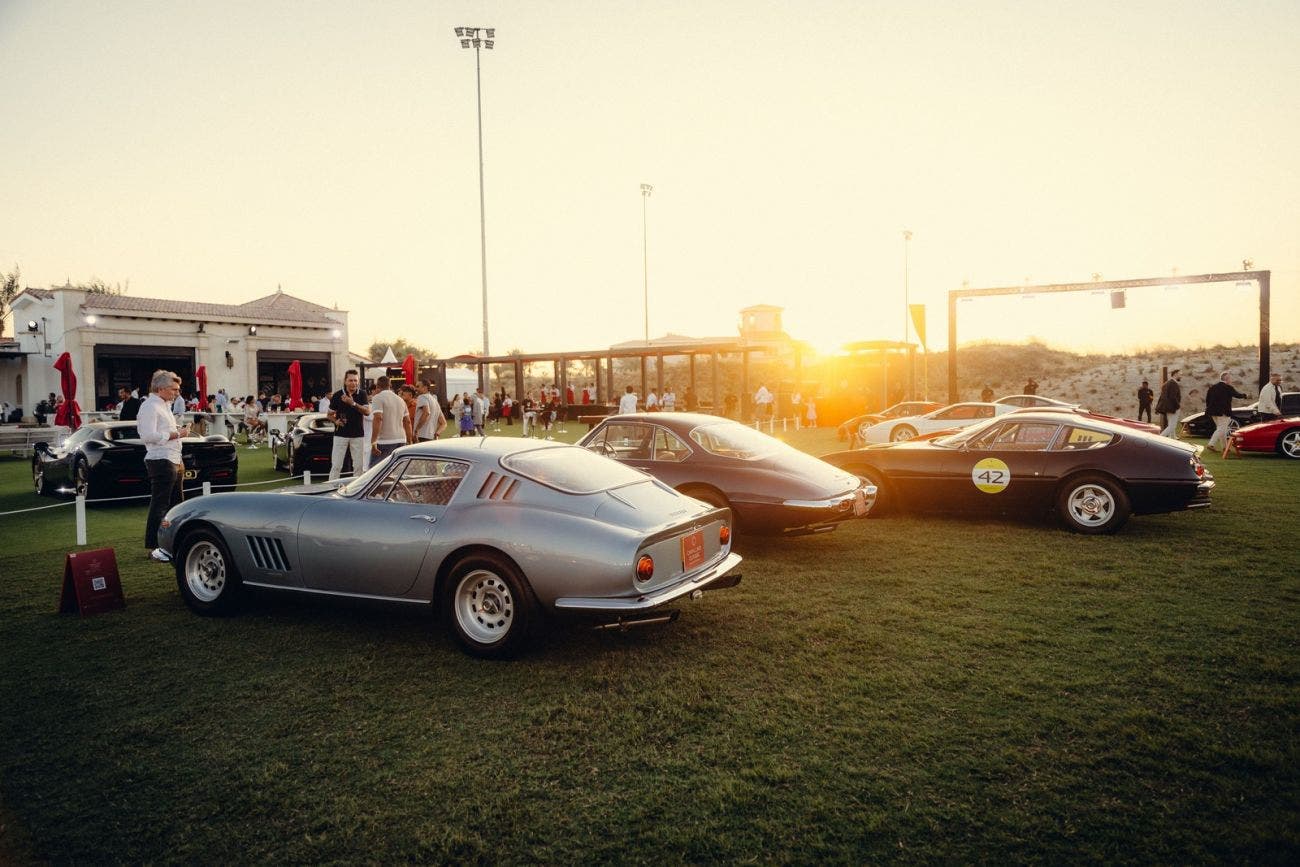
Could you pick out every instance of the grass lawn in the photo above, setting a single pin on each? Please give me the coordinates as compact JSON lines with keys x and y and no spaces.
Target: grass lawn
{"x":901,"y":689}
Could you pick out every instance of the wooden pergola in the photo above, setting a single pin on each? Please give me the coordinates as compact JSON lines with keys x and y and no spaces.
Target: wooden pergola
{"x":607,"y":390}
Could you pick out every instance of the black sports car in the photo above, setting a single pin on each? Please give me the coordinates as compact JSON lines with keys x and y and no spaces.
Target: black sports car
{"x":770,"y":486}
{"x":307,"y":447}
{"x":1092,"y":473}
{"x":105,"y":459}
{"x":1198,"y":424}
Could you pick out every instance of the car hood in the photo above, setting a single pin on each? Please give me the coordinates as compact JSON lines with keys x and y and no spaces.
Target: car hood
{"x":645,"y":506}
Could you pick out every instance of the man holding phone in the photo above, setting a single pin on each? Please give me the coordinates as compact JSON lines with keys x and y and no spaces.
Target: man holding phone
{"x":348,"y":407}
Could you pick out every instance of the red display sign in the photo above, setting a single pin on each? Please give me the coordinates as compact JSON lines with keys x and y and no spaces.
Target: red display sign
{"x":90,"y":583}
{"x":692,"y":550}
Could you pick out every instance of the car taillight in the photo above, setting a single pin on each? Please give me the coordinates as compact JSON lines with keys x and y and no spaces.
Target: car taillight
{"x":645,"y":568}
{"x":1197,"y":467}
{"x":724,"y":535}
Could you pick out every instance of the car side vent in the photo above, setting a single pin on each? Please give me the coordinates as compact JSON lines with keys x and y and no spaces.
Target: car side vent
{"x":498,"y":487}
{"x":268,"y":553}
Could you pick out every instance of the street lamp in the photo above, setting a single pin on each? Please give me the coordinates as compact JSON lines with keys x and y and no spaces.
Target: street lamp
{"x":907,"y":310}
{"x":646,"y":190}
{"x":469,"y":38}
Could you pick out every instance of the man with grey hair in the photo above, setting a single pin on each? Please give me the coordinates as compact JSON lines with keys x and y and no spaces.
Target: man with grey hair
{"x":1218,"y":406}
{"x":156,"y":425}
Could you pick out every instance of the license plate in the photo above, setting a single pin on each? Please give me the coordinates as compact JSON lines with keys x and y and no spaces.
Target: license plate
{"x":191,"y":474}
{"x":693,"y":550}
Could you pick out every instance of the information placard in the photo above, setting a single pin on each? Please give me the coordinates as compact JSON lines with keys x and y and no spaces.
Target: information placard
{"x":90,"y":583}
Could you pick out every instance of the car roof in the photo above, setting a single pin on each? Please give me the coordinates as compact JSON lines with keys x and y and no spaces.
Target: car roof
{"x":671,"y":419}
{"x":1051,"y":416}
{"x":478,"y":447}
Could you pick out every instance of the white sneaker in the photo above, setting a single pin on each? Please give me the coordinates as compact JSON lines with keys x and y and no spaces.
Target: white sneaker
{"x":158,"y":555}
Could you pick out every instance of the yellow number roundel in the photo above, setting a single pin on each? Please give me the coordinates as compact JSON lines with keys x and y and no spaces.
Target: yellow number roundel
{"x":991,"y":476}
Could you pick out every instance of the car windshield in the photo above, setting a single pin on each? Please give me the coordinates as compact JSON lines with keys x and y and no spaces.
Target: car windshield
{"x":955,"y":440}
{"x":573,"y":470}
{"x":730,"y":440}
{"x":361,"y":481}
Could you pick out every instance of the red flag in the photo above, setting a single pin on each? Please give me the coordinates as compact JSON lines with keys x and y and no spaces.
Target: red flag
{"x":408,"y":369}
{"x":68,"y":413}
{"x":201,"y":379}
{"x":295,"y":385}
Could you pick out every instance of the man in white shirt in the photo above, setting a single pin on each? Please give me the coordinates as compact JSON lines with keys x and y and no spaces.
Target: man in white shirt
{"x":324,"y":405}
{"x":627,"y":403}
{"x":429,"y":420}
{"x":763,"y":401}
{"x":1270,"y":398}
{"x":156,"y":425}
{"x":390,"y":422}
{"x":669,"y":400}
{"x":651,"y":401}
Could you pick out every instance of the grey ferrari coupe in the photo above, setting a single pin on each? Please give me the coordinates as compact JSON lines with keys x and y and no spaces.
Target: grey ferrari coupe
{"x":492,"y":532}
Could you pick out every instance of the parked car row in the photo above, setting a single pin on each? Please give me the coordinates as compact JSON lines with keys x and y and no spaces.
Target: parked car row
{"x":1198,"y":424}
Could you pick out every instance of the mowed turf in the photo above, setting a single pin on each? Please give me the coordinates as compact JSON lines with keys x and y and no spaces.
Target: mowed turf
{"x":909,"y":689}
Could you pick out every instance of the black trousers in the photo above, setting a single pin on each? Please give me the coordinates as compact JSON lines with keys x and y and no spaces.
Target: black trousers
{"x":1144,"y":408}
{"x":164,"y":492}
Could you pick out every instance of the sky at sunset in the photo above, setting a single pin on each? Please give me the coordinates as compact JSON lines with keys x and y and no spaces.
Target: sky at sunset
{"x":215,"y":151}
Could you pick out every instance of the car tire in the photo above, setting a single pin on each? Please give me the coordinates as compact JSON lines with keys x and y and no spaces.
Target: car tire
{"x":712,"y":496}
{"x":902,"y":433}
{"x":39,"y":482}
{"x":279,"y":464}
{"x":488,"y":605}
{"x":1288,"y":444}
{"x":1092,"y":504}
{"x":82,"y":486}
{"x":206,"y":574}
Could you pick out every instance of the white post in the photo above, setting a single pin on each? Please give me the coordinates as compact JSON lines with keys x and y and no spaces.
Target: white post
{"x":81,"y":519}
{"x":207,"y":488}
{"x":306,"y":477}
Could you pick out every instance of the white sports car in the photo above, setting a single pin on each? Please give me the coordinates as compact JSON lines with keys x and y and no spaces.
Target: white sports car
{"x":957,"y":415}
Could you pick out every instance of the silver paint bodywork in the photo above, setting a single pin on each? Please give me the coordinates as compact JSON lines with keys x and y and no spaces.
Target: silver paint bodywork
{"x":577,"y":551}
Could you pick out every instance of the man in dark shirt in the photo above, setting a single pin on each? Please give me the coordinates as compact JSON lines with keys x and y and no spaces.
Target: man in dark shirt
{"x":1218,"y":406}
{"x":1145,"y":396}
{"x":128,"y":407}
{"x":348,"y":408}
{"x":1171,"y":400}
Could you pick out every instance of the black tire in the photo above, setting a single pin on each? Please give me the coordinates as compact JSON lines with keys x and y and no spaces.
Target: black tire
{"x":206,"y":574}
{"x":902,"y":433}
{"x":712,"y":496}
{"x":886,"y":500}
{"x":488,"y":605}
{"x":82,"y":482}
{"x":1288,"y":444}
{"x":39,"y":482}
{"x":279,"y":464}
{"x":1092,"y":504}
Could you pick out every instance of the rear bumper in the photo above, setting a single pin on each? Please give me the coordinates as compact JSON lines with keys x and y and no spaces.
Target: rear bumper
{"x":803,"y":514}
{"x":706,"y":580}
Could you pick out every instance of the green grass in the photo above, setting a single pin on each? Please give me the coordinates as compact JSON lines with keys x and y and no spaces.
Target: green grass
{"x":902,"y":689}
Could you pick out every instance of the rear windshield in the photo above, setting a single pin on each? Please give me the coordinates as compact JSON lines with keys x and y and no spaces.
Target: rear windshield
{"x":735,"y":441}
{"x":573,"y":470}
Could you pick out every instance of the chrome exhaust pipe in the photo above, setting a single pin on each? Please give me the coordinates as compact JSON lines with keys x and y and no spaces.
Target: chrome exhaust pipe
{"x":623,"y":624}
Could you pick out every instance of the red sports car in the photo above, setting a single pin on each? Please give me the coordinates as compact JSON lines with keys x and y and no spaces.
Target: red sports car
{"x":1281,"y":436}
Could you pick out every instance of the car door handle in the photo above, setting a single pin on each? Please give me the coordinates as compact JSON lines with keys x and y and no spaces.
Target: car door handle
{"x":430,"y":518}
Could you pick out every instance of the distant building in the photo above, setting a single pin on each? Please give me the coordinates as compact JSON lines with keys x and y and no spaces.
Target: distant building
{"x":760,"y":325}
{"x":119,"y":340}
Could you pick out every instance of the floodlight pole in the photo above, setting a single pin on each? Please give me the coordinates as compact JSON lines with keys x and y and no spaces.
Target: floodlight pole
{"x":907,"y":307}
{"x":646,"y":190}
{"x":469,"y":38}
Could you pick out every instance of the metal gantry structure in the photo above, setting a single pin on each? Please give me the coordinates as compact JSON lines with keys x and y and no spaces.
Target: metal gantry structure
{"x":1261,"y":278}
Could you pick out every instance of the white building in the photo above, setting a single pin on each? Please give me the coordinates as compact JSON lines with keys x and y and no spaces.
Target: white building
{"x":119,"y":340}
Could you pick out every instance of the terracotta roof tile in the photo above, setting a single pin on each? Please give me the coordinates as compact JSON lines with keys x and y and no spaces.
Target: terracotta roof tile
{"x":273,"y":308}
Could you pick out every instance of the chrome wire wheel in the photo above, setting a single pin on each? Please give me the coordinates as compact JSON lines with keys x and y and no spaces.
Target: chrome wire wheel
{"x":1289,"y":444}
{"x":205,"y":571}
{"x":1091,"y":505}
{"x":484,"y":606}
{"x":902,"y":433}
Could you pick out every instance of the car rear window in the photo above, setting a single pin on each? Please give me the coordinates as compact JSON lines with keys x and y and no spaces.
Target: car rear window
{"x":731,"y":440}
{"x":573,"y":470}
{"x":1084,"y":438}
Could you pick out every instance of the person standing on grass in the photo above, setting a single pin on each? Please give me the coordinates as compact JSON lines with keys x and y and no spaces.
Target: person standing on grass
{"x":763,"y":402}
{"x":349,"y":407}
{"x":627,"y":403}
{"x":1171,"y":400}
{"x":1270,"y":398}
{"x":157,"y":429}
{"x":429,"y":420}
{"x":1218,"y":406}
{"x":479,"y":411}
{"x":389,"y":420}
{"x":1145,"y":396}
